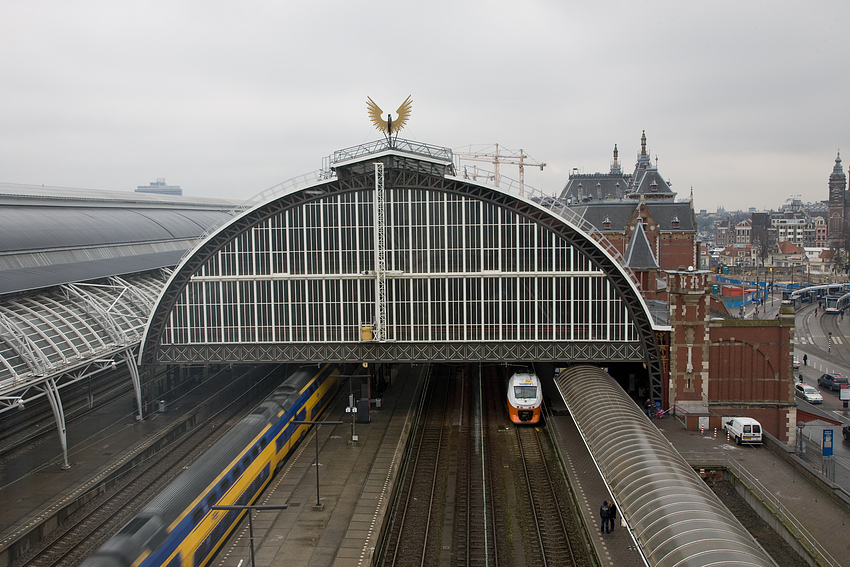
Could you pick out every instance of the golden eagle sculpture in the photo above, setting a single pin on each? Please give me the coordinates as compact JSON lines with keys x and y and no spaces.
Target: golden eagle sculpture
{"x":389,"y":126}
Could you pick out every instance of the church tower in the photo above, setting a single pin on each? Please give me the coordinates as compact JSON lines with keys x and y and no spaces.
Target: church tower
{"x":837,"y":205}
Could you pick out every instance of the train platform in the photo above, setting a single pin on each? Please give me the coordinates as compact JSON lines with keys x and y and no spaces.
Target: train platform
{"x":613,"y":549}
{"x":37,"y":493}
{"x":336,"y":522}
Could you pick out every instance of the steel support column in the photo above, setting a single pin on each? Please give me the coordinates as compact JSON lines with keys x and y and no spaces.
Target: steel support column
{"x":130,"y":359}
{"x":380,"y":257}
{"x":52,"y":392}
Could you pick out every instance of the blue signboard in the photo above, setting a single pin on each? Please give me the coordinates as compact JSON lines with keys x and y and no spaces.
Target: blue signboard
{"x":827,"y":442}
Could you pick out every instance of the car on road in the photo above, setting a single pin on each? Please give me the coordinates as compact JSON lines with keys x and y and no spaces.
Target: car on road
{"x":845,"y":431}
{"x":808,"y":393}
{"x":796,"y":363}
{"x":832,"y":381}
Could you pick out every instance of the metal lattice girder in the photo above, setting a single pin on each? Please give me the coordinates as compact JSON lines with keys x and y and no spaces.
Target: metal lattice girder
{"x":418,"y":352}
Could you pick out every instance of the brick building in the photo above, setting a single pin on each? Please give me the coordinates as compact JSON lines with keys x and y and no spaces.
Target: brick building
{"x":730,"y":366}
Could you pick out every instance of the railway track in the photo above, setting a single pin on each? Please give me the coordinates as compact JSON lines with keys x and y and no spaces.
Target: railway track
{"x":413,"y":538}
{"x":83,"y":532}
{"x":20,"y":431}
{"x":550,"y":526}
{"x":476,"y":535}
{"x":505,"y":488}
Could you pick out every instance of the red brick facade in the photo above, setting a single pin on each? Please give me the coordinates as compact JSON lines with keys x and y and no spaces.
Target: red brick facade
{"x":728,"y":367}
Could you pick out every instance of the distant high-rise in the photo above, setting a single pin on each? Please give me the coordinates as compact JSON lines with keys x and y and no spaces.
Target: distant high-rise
{"x":160,"y":188}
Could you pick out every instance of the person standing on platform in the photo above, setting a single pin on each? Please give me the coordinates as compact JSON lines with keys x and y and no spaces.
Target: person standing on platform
{"x":612,"y":515}
{"x":605,"y":515}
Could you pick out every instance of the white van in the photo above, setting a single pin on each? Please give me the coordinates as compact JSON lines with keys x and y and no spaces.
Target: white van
{"x":743,"y":429}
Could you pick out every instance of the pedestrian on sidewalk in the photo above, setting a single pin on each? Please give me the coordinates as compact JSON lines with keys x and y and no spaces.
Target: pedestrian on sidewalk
{"x":605,"y":515}
{"x":805,"y":360}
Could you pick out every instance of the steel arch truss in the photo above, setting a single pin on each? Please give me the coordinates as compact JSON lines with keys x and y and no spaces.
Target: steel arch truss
{"x":402,"y":173}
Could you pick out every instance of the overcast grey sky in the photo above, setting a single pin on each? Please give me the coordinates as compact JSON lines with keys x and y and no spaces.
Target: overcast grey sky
{"x":745,"y":101}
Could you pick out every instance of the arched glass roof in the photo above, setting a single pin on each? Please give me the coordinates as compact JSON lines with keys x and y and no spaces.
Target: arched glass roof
{"x":472,"y":272}
{"x":52,"y":332}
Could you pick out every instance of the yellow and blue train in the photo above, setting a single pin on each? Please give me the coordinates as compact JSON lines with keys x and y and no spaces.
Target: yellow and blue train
{"x":177,"y":528}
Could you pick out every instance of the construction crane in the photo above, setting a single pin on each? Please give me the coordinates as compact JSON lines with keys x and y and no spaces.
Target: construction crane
{"x":500,"y":156}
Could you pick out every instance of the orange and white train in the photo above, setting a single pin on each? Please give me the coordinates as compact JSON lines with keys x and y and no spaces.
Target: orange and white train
{"x":525,"y":398}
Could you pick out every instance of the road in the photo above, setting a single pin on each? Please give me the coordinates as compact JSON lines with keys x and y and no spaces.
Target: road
{"x":825,"y":340}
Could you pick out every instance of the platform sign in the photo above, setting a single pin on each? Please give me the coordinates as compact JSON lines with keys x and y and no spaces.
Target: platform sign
{"x":844,"y":393}
{"x":827,"y":442}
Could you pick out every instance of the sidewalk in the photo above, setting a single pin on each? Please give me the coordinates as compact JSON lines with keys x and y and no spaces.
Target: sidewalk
{"x":815,"y":510}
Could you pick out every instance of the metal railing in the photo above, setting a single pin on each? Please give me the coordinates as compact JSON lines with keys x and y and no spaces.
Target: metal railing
{"x":813,"y":455}
{"x":803,"y":537}
{"x":407,"y":146}
{"x":283,"y":188}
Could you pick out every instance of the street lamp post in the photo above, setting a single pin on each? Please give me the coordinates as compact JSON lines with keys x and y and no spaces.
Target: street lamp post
{"x":318,"y":505}
{"x":250,"y":522}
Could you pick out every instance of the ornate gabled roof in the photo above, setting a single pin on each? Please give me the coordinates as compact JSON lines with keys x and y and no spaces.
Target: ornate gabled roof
{"x":595,"y":187}
{"x":651,"y":184}
{"x":639,"y":255}
{"x":621,"y":212}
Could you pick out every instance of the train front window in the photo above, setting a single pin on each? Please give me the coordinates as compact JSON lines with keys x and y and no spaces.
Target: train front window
{"x":522,"y":392}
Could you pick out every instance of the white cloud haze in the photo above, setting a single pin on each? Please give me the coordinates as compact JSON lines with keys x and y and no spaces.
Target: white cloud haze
{"x":745,"y":101}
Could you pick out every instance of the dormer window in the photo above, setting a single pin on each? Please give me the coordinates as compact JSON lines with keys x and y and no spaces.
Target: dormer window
{"x":606,"y":224}
{"x":675,"y":222}
{"x":654,"y":187}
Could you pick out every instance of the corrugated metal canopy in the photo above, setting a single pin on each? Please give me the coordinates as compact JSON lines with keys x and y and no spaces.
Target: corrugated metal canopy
{"x":675,"y":518}
{"x":46,"y":228}
{"x":53,"y":236}
{"x":28,"y":279}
